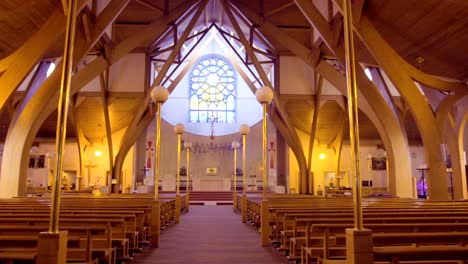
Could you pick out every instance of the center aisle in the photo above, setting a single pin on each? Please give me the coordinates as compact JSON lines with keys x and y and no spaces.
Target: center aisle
{"x":210,"y":235}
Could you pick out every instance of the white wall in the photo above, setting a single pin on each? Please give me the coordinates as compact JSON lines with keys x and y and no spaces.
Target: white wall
{"x":296,"y":77}
{"x":128,"y":74}
{"x":222,"y":160}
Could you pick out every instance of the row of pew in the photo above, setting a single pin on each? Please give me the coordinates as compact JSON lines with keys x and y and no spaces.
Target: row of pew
{"x":311,"y":229}
{"x":101,"y":228}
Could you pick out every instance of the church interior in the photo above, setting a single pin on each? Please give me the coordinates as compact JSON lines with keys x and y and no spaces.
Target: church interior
{"x":233,"y":131}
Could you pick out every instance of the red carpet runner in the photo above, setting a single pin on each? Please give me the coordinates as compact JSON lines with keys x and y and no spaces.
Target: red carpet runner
{"x":210,"y":235}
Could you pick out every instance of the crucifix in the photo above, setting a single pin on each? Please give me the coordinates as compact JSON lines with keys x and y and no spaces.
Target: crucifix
{"x":90,"y":167}
{"x":272,"y":150}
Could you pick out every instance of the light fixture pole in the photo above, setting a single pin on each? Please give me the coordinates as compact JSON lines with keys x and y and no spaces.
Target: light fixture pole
{"x":54,"y":240}
{"x":188,"y":146}
{"x":235,"y":145}
{"x":159,"y":94}
{"x":179,"y":129}
{"x":244,"y":130}
{"x":264,"y":96}
{"x":359,"y":239}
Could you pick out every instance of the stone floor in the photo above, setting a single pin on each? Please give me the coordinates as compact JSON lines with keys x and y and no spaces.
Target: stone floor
{"x":210,"y":234}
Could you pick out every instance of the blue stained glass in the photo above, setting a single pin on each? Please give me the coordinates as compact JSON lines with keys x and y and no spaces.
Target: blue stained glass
{"x":212,"y":88}
{"x":221,"y":117}
{"x":203,"y":106}
{"x":193,"y":116}
{"x":231,"y":117}
{"x":231,"y":103}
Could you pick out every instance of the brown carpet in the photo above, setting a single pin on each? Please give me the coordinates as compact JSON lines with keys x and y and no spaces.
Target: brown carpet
{"x":211,"y":235}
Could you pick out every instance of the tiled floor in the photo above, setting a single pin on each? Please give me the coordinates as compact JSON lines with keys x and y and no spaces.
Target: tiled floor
{"x":210,"y":235}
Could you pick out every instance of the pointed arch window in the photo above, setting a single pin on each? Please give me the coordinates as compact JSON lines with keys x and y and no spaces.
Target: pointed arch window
{"x":212,"y":91}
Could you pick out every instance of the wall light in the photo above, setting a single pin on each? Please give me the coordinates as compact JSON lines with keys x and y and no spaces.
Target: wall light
{"x":322,"y":156}
{"x":98,"y":153}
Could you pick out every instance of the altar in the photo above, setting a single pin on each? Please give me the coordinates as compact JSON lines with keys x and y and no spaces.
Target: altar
{"x":211,"y":183}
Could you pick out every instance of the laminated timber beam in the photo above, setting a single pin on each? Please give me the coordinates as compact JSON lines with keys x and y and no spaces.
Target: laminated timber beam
{"x":34,"y":112}
{"x":143,"y":104}
{"x":313,"y":129}
{"x":104,"y":85}
{"x":286,"y":129}
{"x":16,"y":67}
{"x":379,"y":112}
{"x":390,"y":62}
{"x":133,"y":132}
{"x":81,"y":140}
{"x":366,"y":87}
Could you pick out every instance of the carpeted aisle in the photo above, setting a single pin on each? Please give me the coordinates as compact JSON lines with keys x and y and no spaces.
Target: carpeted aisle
{"x":210,"y":234}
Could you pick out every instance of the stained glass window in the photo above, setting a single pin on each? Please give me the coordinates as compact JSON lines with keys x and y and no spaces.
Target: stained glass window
{"x":212,"y":91}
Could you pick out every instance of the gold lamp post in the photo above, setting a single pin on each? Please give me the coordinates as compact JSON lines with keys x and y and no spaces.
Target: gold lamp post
{"x":244,"y":130}
{"x":188,"y":146}
{"x":359,"y":239}
{"x":235,"y":145}
{"x":54,"y":240}
{"x":159,"y":94}
{"x":264,"y":96}
{"x":179,"y":129}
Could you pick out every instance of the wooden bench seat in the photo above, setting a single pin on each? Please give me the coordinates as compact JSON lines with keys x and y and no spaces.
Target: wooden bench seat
{"x":127,"y":218}
{"x":395,"y":254}
{"x":287,"y":216}
{"x":413,"y":239}
{"x":25,"y":257}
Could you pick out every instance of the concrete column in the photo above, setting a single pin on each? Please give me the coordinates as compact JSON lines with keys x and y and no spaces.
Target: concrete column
{"x":52,"y":248}
{"x":359,"y":246}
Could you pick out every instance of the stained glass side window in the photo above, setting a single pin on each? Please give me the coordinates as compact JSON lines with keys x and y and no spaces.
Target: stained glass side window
{"x":212,"y":91}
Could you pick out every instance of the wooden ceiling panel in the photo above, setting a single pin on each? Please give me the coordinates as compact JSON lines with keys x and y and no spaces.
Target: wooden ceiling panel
{"x":91,"y":118}
{"x":20,"y":19}
{"x":49,"y":127}
{"x":139,"y":12}
{"x":289,"y":16}
{"x":121,"y":112}
{"x":436,"y":31}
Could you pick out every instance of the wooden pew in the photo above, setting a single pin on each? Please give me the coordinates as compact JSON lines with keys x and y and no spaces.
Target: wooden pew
{"x":400,"y":210}
{"x":23,"y":239}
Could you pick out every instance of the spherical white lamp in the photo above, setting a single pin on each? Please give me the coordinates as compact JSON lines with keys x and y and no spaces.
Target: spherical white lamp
{"x":159,"y":94}
{"x":264,"y":94}
{"x":179,"y":128}
{"x":235,"y":144}
{"x":188,"y":145}
{"x":244,"y":129}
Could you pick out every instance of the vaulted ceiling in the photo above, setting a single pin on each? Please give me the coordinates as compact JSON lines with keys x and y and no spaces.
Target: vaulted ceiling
{"x":432,"y":35}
